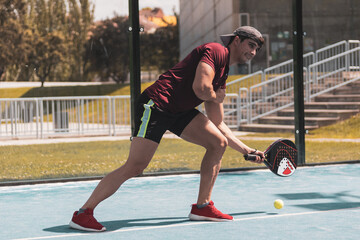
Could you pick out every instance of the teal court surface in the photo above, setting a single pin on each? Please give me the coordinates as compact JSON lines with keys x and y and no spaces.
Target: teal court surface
{"x":320,"y":203}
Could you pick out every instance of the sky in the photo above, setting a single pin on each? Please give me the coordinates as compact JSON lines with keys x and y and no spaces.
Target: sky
{"x":106,"y":8}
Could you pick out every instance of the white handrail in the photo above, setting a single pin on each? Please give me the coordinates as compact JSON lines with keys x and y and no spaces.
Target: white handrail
{"x":284,"y":70}
{"x":50,"y":117}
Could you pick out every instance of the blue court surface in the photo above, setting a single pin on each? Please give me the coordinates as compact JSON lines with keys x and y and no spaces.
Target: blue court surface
{"x":320,"y":203}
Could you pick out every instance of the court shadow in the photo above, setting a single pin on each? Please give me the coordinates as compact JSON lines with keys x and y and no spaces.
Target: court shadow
{"x":341,"y":200}
{"x":330,"y":206}
{"x":128,"y":223}
{"x":304,"y":196}
{"x":317,"y":195}
{"x":61,"y":229}
{"x":115,"y":225}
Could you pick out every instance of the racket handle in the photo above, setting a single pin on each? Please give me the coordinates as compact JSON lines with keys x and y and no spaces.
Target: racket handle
{"x":250,"y":157}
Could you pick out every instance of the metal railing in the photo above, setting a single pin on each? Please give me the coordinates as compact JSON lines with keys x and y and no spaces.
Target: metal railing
{"x":275,"y":91}
{"x":19,"y":116}
{"x":231,"y":110}
{"x":231,"y":115}
{"x":353,"y":44}
{"x":331,"y":50}
{"x":270,"y":96}
{"x":243,"y":106}
{"x":287,"y":66}
{"x":334,"y":72}
{"x":244,"y":82}
{"x":64,"y":116}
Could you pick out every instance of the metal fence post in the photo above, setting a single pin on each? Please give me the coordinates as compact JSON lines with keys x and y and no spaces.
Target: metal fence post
{"x":298,"y":81}
{"x":110,"y":121}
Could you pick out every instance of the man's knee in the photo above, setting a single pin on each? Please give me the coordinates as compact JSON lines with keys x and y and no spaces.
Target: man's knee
{"x":218,"y":144}
{"x":135,"y":169}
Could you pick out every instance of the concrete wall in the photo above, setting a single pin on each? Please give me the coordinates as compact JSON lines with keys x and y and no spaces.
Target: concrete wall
{"x":202,"y":21}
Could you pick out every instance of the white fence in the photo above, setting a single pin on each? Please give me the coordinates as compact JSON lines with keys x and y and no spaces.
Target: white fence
{"x":64,"y":116}
{"x":270,"y":96}
{"x":273,"y":95}
{"x":333,"y":72}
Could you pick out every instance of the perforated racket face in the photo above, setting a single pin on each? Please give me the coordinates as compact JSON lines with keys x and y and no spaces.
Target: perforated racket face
{"x":281,"y":157}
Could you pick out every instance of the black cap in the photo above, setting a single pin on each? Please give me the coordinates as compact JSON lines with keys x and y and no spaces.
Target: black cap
{"x":244,"y":31}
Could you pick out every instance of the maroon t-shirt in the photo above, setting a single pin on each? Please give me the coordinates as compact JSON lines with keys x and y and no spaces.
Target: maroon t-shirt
{"x":173,"y":91}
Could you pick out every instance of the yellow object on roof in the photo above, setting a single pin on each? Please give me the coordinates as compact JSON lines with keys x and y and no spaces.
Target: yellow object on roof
{"x":164,"y":21}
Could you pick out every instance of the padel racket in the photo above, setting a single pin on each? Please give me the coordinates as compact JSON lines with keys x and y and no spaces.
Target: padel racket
{"x":280,"y":157}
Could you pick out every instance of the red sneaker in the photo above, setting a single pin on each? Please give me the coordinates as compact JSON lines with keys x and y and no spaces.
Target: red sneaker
{"x":85,"y":221}
{"x":208,"y":213}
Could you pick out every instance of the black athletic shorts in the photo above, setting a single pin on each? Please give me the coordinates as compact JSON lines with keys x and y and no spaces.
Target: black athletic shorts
{"x":151,"y":122}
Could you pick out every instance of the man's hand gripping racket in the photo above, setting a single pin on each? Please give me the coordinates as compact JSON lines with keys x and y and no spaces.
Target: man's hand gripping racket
{"x":280,"y":157}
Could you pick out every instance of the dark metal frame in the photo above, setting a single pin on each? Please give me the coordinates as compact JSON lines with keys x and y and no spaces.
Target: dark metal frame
{"x":134,"y":45}
{"x":298,"y":80}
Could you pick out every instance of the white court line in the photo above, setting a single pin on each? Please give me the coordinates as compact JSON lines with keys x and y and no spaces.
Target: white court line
{"x":191,"y":223}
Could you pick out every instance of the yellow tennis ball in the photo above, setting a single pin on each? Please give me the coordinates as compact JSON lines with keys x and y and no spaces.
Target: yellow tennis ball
{"x":278,"y":204}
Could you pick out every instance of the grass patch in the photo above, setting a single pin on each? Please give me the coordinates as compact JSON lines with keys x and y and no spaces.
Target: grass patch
{"x":13,"y":92}
{"x":98,"y":158}
{"x":61,"y":160}
{"x":322,"y":152}
{"x":349,"y":128}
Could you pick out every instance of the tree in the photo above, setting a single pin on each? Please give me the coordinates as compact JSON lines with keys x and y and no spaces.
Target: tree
{"x":108,"y":50}
{"x":59,"y":34}
{"x":46,"y":19}
{"x":56,"y":40}
{"x":50,"y":51}
{"x":160,"y":50}
{"x":13,"y":41}
{"x":79,"y":22}
{"x":168,"y":50}
{"x":38,"y":33}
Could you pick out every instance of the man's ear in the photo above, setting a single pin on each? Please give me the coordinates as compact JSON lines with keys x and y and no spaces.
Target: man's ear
{"x":237,"y":40}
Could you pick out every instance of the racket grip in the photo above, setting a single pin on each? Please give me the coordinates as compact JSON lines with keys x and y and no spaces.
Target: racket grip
{"x":250,"y":157}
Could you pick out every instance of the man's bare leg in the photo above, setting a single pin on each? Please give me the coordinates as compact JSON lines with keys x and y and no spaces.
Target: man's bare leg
{"x":141,"y":153}
{"x":203,"y":132}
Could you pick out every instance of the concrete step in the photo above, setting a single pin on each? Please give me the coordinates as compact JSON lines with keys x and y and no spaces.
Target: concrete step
{"x":309,"y":121}
{"x":355,"y":84}
{"x":342,"y":114}
{"x":351,"y":75}
{"x":332,"y":105}
{"x":346,"y":90}
{"x":326,"y":109}
{"x":316,"y":89}
{"x":338,"y":98}
{"x":328,"y":82}
{"x":270,"y":128}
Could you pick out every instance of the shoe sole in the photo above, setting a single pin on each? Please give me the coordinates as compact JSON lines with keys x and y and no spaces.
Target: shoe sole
{"x":194,"y":217}
{"x":78,"y":227}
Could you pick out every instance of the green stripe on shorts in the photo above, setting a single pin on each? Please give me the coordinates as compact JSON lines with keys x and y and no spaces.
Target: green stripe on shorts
{"x":145,"y":119}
